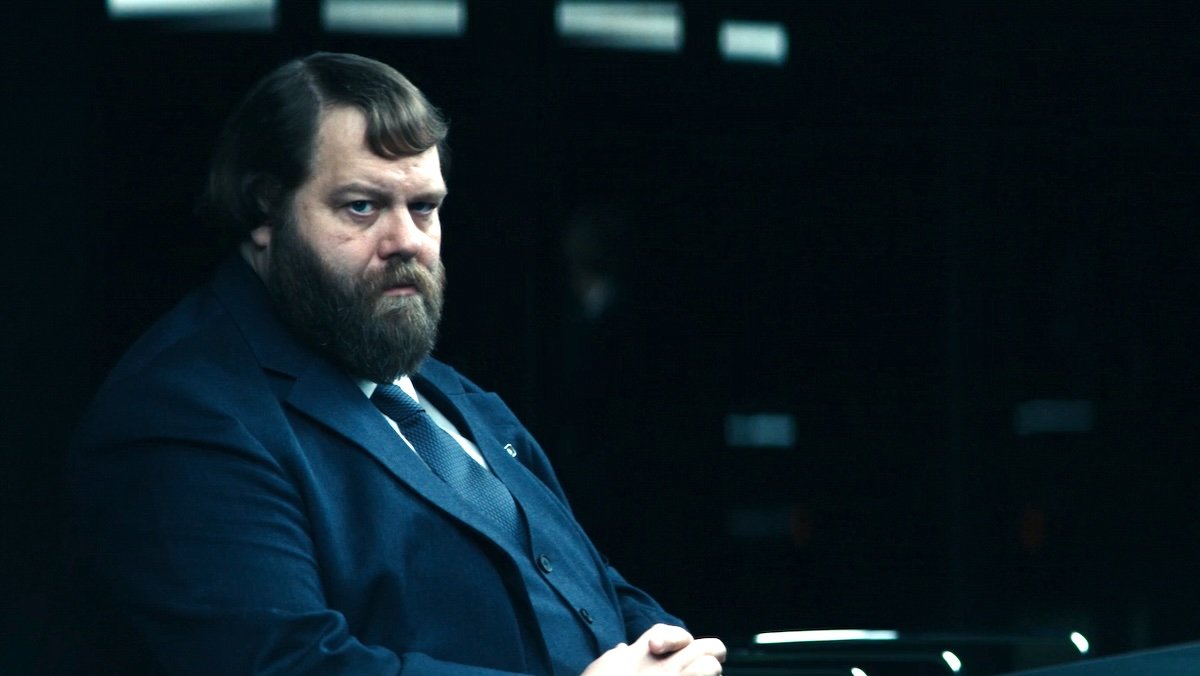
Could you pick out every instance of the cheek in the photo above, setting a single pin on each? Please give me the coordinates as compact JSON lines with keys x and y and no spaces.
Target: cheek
{"x":347,"y":255}
{"x":433,"y":247}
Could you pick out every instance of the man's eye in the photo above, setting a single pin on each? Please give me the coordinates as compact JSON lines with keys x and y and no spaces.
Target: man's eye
{"x":361,"y":207}
{"x":423,"y":208}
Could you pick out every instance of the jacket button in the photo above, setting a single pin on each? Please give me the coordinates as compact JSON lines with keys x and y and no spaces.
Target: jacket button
{"x":543,"y":562}
{"x":587,"y":617}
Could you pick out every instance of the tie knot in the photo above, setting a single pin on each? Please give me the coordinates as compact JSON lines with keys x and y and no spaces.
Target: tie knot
{"x":395,"y":403}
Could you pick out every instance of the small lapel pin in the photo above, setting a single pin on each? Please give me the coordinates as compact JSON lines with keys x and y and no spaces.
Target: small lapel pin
{"x":511,"y":451}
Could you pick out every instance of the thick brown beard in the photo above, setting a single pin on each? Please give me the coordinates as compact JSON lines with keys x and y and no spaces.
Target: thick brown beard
{"x":371,"y":335}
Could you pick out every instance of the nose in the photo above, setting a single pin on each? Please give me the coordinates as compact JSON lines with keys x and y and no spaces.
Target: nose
{"x":400,"y":236}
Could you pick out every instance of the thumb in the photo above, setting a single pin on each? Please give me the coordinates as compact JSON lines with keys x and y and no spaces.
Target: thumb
{"x":665,"y":639}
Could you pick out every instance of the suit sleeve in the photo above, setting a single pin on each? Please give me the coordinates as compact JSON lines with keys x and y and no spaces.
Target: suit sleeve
{"x":200,"y":544}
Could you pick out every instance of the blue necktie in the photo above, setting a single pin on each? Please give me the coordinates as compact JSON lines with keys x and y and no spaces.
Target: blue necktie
{"x":448,"y":460}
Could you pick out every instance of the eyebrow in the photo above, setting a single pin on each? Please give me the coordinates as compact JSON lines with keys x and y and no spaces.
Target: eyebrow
{"x":383,"y":194}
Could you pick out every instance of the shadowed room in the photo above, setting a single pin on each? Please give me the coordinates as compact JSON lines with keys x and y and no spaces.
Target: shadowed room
{"x":843,"y":317}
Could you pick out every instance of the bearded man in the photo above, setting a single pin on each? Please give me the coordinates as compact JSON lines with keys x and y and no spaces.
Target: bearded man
{"x":278,"y":478}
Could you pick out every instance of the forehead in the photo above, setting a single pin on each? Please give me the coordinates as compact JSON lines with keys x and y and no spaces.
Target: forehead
{"x":343,"y":155}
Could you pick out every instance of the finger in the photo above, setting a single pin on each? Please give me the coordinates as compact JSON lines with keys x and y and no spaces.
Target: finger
{"x":616,"y":660}
{"x":700,"y":648}
{"x":705,"y":665}
{"x":709,"y":646}
{"x":664,"y":639}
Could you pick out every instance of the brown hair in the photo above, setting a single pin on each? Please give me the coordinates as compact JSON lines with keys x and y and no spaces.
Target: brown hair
{"x":266,"y":148}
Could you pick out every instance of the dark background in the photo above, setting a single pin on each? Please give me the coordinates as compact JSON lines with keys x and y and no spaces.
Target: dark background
{"x":928,"y":215}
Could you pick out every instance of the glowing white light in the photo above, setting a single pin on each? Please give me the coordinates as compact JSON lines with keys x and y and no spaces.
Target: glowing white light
{"x":162,"y":9}
{"x":753,"y":41}
{"x":1080,"y":642}
{"x":824,"y":635}
{"x":952,"y":661}
{"x":855,"y":671}
{"x":654,"y":26}
{"x":396,"y":17}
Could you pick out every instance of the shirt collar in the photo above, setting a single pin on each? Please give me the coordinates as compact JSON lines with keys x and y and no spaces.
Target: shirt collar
{"x":403,"y":382}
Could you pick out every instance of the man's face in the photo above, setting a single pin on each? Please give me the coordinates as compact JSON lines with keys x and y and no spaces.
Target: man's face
{"x":356,"y":269}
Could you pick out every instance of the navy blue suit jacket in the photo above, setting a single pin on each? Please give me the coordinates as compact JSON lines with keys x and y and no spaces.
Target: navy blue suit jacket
{"x":241,"y":507}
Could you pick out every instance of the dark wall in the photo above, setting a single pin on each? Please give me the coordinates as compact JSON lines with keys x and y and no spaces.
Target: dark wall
{"x":49,"y":218}
{"x":925,"y":218}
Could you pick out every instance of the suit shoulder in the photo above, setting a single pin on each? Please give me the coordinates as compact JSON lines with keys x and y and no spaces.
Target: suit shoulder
{"x":190,"y":369}
{"x":195,"y":337}
{"x":447,"y":378}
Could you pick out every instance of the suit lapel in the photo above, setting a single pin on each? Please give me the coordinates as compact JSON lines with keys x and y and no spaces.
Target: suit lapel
{"x":480,"y":416}
{"x":485,"y":419}
{"x":334,"y":400}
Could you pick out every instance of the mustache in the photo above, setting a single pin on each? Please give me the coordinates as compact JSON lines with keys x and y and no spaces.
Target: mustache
{"x":403,"y":273}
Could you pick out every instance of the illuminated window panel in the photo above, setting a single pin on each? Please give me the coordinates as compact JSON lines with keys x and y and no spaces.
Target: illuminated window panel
{"x":427,"y":18}
{"x":231,"y":14}
{"x":641,"y":26}
{"x":1054,"y":416}
{"x":760,"y":430}
{"x":822,"y":635}
{"x":753,"y":42}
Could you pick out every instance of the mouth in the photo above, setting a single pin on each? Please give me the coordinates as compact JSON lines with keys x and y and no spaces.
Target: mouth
{"x":401,"y":290}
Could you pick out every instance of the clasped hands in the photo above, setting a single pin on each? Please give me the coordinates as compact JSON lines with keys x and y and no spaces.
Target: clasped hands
{"x":663,"y":649}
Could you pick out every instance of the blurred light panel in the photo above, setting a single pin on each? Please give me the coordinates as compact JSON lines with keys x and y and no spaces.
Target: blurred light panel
{"x":646,"y":26}
{"x":818,"y":635}
{"x":760,"y":430}
{"x":952,"y":661}
{"x":1080,"y":642}
{"x":1054,"y":416}
{"x":432,"y":18}
{"x":855,"y":671}
{"x":254,"y":14}
{"x":752,"y":41}
{"x":759,"y":522}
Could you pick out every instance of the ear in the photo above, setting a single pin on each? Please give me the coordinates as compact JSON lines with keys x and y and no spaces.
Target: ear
{"x":256,"y":250}
{"x":261,"y":236}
